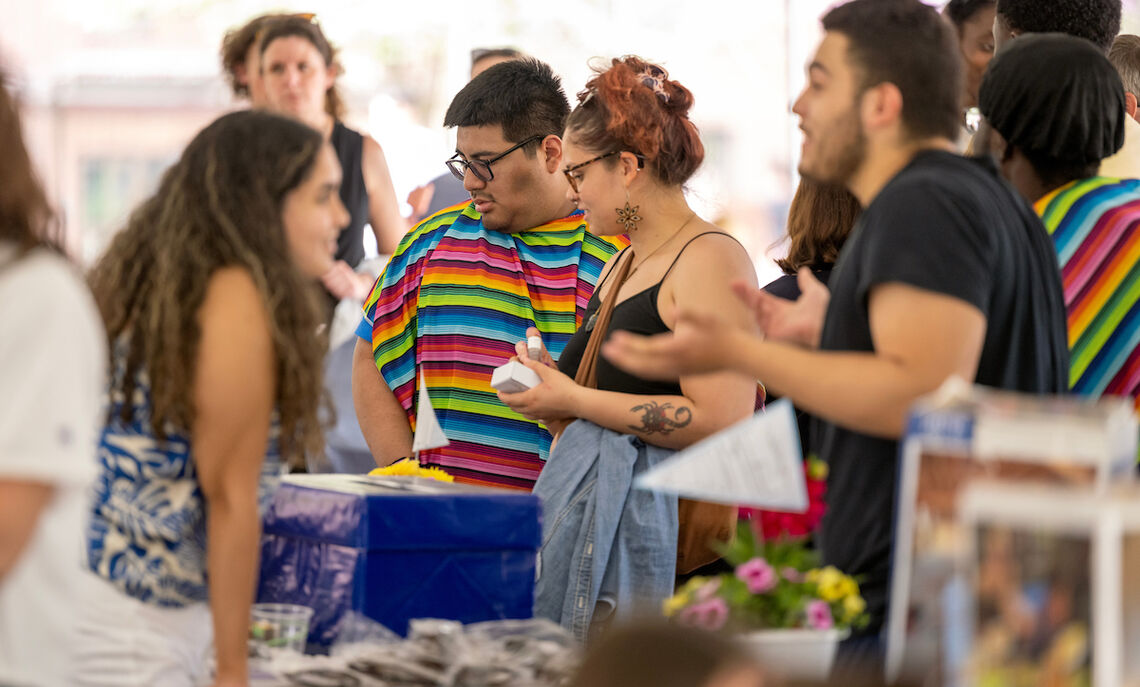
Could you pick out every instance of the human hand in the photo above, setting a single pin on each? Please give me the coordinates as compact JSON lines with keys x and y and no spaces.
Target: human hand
{"x":420,"y":199}
{"x":551,"y":401}
{"x":522,"y":352}
{"x":699,"y":343}
{"x":342,"y":282}
{"x":799,"y":321}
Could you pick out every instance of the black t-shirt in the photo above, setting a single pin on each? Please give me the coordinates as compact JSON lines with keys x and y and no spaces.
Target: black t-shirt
{"x":950,"y":225}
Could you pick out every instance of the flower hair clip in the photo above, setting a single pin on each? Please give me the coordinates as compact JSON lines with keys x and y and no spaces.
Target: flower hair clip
{"x":653,"y":78}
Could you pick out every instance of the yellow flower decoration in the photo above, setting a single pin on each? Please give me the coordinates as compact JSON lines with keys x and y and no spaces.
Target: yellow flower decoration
{"x":853,"y":606}
{"x":816,"y":468}
{"x":674,"y":604}
{"x":849,"y":587}
{"x":830,"y":583}
{"x":408,"y":468}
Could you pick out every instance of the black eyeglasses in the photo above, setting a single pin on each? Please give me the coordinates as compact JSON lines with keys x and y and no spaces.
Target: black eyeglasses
{"x":482,"y":168}
{"x":576,"y":178}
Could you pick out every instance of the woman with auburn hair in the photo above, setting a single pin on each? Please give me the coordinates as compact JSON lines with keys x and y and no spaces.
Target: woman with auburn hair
{"x":212,"y":313}
{"x":628,"y":149}
{"x":52,"y":364}
{"x":299,"y":71}
{"x":820,"y":219}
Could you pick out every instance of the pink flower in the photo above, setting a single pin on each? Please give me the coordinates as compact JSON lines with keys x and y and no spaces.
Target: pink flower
{"x":708,"y":590}
{"x":792,"y":575}
{"x":819,"y":615}
{"x":707,"y":615}
{"x":757,"y":574}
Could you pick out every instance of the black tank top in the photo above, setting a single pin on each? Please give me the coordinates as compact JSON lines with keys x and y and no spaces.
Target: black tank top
{"x":637,"y":314}
{"x":349,"y":147}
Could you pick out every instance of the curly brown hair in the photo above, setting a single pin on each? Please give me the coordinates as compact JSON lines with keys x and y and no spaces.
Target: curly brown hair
{"x":26,"y":218}
{"x":236,"y":45}
{"x":218,"y":206}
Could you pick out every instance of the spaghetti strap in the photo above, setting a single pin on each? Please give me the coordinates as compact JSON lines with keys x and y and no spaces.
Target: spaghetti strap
{"x":598,"y":286}
{"x":703,"y":233}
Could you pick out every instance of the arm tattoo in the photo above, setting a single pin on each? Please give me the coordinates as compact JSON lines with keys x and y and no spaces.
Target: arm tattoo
{"x":655,"y":418}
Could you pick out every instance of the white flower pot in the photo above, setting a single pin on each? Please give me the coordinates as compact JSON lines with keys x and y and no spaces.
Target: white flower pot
{"x":800,"y":654}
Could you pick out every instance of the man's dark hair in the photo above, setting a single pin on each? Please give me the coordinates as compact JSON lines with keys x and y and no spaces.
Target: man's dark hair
{"x":906,"y":43}
{"x":1094,"y":20}
{"x":961,"y":11}
{"x":524,"y":96}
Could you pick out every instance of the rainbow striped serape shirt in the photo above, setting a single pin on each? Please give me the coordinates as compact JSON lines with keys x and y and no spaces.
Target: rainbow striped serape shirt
{"x":1095,"y":225}
{"x":450,"y":306}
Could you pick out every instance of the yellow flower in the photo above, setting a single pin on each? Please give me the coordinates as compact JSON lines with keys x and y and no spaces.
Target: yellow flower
{"x":816,"y":468}
{"x":408,"y":468}
{"x":830,"y":584}
{"x":849,"y":587}
{"x":852,"y":606}
{"x":674,"y":604}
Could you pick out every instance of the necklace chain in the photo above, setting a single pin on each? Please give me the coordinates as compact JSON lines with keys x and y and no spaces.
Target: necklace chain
{"x":684,"y":224}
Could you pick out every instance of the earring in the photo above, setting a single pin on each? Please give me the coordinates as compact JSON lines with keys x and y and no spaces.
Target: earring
{"x":628,"y":215}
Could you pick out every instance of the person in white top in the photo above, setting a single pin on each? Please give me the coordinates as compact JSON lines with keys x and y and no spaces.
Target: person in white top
{"x":52,"y":366}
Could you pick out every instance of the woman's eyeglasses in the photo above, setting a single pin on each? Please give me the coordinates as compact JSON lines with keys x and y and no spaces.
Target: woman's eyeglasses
{"x":575,"y":177}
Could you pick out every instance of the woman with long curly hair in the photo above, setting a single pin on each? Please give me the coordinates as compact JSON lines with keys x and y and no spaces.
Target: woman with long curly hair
{"x":52,"y":364}
{"x":210,"y":302}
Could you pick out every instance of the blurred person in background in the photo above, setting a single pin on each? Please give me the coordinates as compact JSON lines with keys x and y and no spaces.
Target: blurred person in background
{"x":299,"y":70}
{"x":820,"y":219}
{"x":1125,"y":56}
{"x":974,"y":22}
{"x":465,"y":285}
{"x":445,"y":190}
{"x":212,"y":309}
{"x":241,"y":61}
{"x":628,"y":150}
{"x":1094,"y":20}
{"x":1054,"y":108}
{"x":52,"y":368}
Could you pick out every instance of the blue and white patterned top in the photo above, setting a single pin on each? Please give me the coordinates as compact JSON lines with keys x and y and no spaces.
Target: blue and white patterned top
{"x":147,"y":533}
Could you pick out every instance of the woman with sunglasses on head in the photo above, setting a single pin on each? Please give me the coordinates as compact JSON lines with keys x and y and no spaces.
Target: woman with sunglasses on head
{"x":629,"y":147}
{"x":298,"y":73}
{"x":210,"y":301}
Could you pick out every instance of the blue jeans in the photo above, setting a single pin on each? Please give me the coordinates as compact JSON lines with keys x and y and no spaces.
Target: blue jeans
{"x":606,"y":547}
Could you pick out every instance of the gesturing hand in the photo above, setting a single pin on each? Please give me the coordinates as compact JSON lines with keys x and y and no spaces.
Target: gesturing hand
{"x":700,"y":343}
{"x":799,"y":321}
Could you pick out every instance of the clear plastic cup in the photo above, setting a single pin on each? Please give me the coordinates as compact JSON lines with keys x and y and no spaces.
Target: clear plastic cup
{"x":278,"y":627}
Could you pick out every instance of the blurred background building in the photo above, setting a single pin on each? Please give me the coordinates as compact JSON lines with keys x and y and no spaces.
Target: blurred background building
{"x":113,"y":89}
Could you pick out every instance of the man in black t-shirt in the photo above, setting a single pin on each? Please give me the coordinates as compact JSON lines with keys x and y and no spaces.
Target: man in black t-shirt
{"x":947,"y":272}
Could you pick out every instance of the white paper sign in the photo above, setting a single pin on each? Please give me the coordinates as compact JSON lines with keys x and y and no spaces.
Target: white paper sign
{"x":756,"y":462}
{"x":429,"y":434}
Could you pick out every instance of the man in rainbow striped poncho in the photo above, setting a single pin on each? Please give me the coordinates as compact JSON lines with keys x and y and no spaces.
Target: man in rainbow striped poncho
{"x":1054,"y":108}
{"x":465,"y":284}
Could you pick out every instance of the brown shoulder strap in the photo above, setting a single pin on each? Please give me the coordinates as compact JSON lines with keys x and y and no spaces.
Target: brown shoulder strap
{"x":588,"y":368}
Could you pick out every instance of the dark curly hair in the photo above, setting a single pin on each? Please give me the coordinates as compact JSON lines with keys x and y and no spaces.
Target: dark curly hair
{"x":218,"y":206}
{"x":1094,"y":20}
